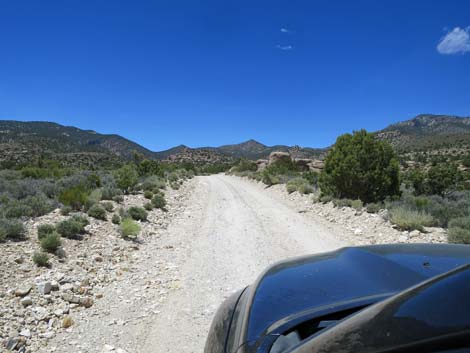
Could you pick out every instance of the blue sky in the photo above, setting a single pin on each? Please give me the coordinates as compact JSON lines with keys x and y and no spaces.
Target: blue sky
{"x":213,"y":72}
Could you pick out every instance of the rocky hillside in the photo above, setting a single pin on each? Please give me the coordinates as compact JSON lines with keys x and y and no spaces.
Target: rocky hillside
{"x":22,"y":142}
{"x":428,"y":132}
{"x":250,"y":149}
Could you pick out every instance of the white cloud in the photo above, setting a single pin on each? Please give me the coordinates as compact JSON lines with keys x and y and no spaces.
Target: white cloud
{"x":285,"y":30}
{"x":456,"y":41}
{"x":284,"y":47}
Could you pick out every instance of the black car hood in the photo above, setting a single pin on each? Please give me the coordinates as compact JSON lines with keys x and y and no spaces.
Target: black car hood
{"x":348,"y":274}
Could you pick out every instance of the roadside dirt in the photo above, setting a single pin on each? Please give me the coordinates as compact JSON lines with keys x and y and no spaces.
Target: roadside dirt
{"x":227,"y":232}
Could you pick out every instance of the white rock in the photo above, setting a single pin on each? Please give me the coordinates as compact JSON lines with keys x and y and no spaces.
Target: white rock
{"x":26,"y":301}
{"x":44,"y":287}
{"x":25,"y":333}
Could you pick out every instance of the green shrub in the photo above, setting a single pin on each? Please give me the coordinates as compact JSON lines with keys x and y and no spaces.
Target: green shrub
{"x":65,"y":210}
{"x":129,"y":228}
{"x":126,"y":177}
{"x":269,"y":179}
{"x":116,"y":219}
{"x":459,"y":235}
{"x":74,"y":197}
{"x":360,"y":167}
{"x":108,"y":193}
{"x":461,"y":222}
{"x":72,"y":227}
{"x":93,"y":198}
{"x":342,"y":202}
{"x":51,"y":242}
{"x":407,"y":219}
{"x":374,"y":207}
{"x":41,"y":259}
{"x":245,"y":165}
{"x":97,"y":211}
{"x":305,"y":189}
{"x":175,"y":185}
{"x":148,"y":206}
{"x":148,"y":194}
{"x":153,"y":183}
{"x":12,"y":229}
{"x":158,"y":201}
{"x":291,"y":188}
{"x":17,"y":209}
{"x":357,"y":205}
{"x":118,"y":198}
{"x":39,"y":205}
{"x":137,"y":213}
{"x":44,"y":230}
{"x":108,"y":206}
{"x":326,"y":198}
{"x":172,"y":177}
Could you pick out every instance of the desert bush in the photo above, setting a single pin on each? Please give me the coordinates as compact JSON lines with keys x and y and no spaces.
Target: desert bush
{"x":244,"y":165}
{"x":357,"y":204}
{"x":16,"y":209}
{"x":129,"y":228}
{"x":148,"y":194}
{"x":326,"y":199}
{"x":108,"y":206}
{"x":268,"y":178}
{"x":360,"y":167}
{"x":41,"y":259}
{"x":459,"y":235}
{"x":39,"y":205}
{"x":299,"y":184}
{"x":72,"y":227}
{"x":175,"y":185}
{"x":65,"y":210}
{"x":45,"y":229}
{"x":461,"y":222}
{"x":12,"y":229}
{"x":108,"y":193}
{"x":407,"y":219}
{"x":51,"y":242}
{"x":74,"y":197}
{"x":172,"y":177}
{"x":342,"y":202}
{"x":158,"y":201}
{"x":126,"y":177}
{"x":148,"y":206}
{"x":97,"y":211}
{"x":137,"y":213}
{"x":374,"y":207}
{"x":305,"y":189}
{"x":153,"y":183}
{"x":92,"y":199}
{"x":116,"y":219}
{"x":118,"y":198}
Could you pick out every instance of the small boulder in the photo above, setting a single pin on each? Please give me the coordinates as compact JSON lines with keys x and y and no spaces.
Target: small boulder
{"x":44,"y":287}
{"x":22,"y":291}
{"x":26,"y":301}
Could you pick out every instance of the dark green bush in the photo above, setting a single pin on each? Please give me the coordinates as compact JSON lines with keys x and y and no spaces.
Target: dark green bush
{"x":97,"y":211}
{"x":342,"y":202}
{"x":41,"y":259}
{"x":153,"y":183}
{"x":137,"y":213}
{"x":74,"y":197}
{"x":148,"y":206}
{"x":148,"y":194}
{"x":126,"y":177}
{"x":12,"y":229}
{"x":108,"y":193}
{"x":44,"y":230}
{"x":116,"y":219}
{"x":374,"y":207}
{"x":360,"y":167}
{"x":245,"y":165}
{"x":72,"y":227}
{"x":51,"y":242}
{"x":118,"y":198}
{"x":108,"y":206}
{"x":158,"y":201}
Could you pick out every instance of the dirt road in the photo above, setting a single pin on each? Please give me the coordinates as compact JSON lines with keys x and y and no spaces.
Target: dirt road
{"x":237,"y":230}
{"x":226,"y":232}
